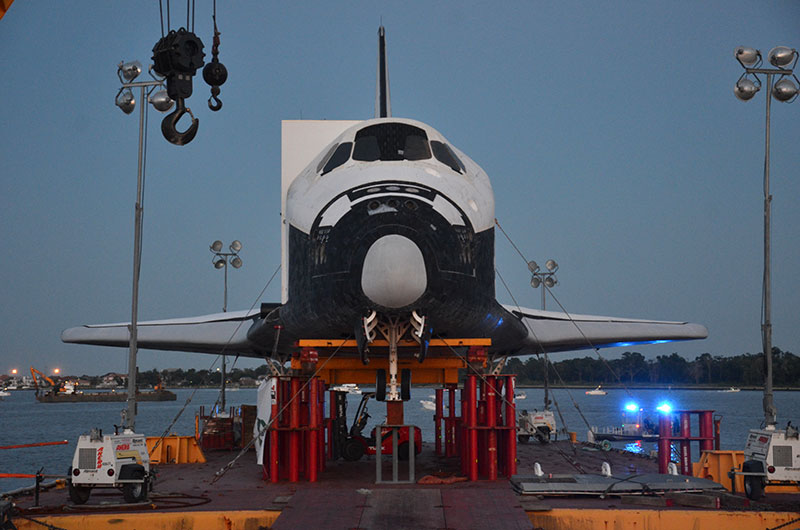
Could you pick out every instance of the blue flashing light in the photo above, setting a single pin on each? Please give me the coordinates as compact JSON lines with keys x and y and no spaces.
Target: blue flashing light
{"x":664,"y":408}
{"x":631,"y":407}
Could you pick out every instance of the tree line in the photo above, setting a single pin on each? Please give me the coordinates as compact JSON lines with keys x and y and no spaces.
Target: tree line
{"x":632,"y":368}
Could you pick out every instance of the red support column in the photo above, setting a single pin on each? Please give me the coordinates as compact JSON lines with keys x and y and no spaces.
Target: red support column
{"x":686,"y":447}
{"x":313,"y":417}
{"x":472,"y":432}
{"x":450,"y":447}
{"x":716,"y":433}
{"x":437,"y":419}
{"x":491,"y":422}
{"x":464,"y":448}
{"x":706,"y":431}
{"x":511,"y":421}
{"x":664,"y":432}
{"x":294,"y":433}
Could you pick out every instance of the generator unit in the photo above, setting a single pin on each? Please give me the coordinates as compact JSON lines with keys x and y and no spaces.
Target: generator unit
{"x":119,"y":461}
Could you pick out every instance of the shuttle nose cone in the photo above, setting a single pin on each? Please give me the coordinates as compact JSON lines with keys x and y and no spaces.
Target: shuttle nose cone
{"x":393,"y":274}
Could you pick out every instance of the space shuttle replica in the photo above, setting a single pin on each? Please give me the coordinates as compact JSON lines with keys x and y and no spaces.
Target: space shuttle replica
{"x":388,"y":232}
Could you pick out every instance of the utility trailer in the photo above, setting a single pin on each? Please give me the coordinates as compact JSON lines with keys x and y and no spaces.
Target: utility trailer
{"x":118,"y":461}
{"x":771,"y":457}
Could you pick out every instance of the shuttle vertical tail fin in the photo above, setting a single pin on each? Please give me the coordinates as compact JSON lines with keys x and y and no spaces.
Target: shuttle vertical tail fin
{"x":383,"y":104}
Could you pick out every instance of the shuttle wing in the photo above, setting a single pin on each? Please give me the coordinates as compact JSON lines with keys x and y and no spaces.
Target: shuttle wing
{"x":218,"y":333}
{"x":553,"y":331}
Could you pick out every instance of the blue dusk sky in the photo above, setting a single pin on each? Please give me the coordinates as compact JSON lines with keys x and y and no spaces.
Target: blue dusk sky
{"x":609,"y":129}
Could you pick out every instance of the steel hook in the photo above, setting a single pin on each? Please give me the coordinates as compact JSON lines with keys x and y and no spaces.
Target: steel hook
{"x":170,"y":122}
{"x":216,"y":105}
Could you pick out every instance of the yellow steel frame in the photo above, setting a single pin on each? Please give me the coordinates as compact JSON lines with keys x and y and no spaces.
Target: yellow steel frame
{"x":440,"y":367}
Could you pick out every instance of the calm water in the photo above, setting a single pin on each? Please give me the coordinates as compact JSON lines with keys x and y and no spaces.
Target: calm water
{"x":24,"y":420}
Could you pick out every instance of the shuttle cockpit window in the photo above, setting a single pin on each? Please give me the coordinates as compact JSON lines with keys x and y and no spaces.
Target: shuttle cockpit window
{"x":391,"y":141}
{"x":446,"y":156}
{"x":340,"y":155}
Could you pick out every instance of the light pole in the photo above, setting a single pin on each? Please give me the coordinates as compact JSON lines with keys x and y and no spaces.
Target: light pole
{"x":220,"y":261}
{"x":127,"y":72}
{"x":784,"y":60}
{"x":546,"y":280}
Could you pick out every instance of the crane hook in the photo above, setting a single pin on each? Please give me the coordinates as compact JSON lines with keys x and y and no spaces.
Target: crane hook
{"x":170,"y":122}
{"x":217,"y":104}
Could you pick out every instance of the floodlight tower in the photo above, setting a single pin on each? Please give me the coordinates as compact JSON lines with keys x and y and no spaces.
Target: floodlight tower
{"x":784,"y":60}
{"x":220,"y":261}
{"x":546,"y":280}
{"x":125,"y":100}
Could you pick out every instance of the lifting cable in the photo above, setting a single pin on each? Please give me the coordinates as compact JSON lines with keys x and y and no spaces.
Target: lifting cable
{"x":222,"y":352}
{"x":218,"y":475}
{"x":569,"y":316}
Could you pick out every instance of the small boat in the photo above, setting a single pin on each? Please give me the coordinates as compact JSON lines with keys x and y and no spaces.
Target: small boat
{"x":4,"y":393}
{"x":350,"y":388}
{"x":427,"y":405}
{"x":597,"y":391}
{"x":731,"y":389}
{"x":520,"y":395}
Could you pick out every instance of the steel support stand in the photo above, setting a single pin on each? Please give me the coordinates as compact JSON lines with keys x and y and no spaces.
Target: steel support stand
{"x":313,"y":418}
{"x":686,"y":448}
{"x":472,"y":424}
{"x":437,"y":419}
{"x":664,"y":441}
{"x":491,"y":422}
{"x":294,"y":433}
{"x":511,"y":428}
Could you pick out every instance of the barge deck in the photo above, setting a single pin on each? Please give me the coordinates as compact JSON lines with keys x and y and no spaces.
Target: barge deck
{"x":346,"y":497}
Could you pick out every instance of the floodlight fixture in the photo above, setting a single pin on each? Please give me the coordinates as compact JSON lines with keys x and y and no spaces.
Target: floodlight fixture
{"x":781,"y":86}
{"x":221,"y":261}
{"x":747,"y":56}
{"x":546,"y":279}
{"x":631,"y":407}
{"x":785,"y":90}
{"x":745,"y":89}
{"x":125,"y":100}
{"x":781,"y":56}
{"x":129,"y":71}
{"x":161,"y":101}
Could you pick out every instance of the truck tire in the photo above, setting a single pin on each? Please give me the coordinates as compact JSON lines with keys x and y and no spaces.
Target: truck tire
{"x":402,"y":451}
{"x":353,"y":450}
{"x":405,"y":384}
{"x":134,"y":492}
{"x":380,"y":385}
{"x":78,"y":494}
{"x":523,"y":438}
{"x":753,"y":485}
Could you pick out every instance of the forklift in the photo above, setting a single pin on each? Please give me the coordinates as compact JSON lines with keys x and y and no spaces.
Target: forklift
{"x":352,"y":444}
